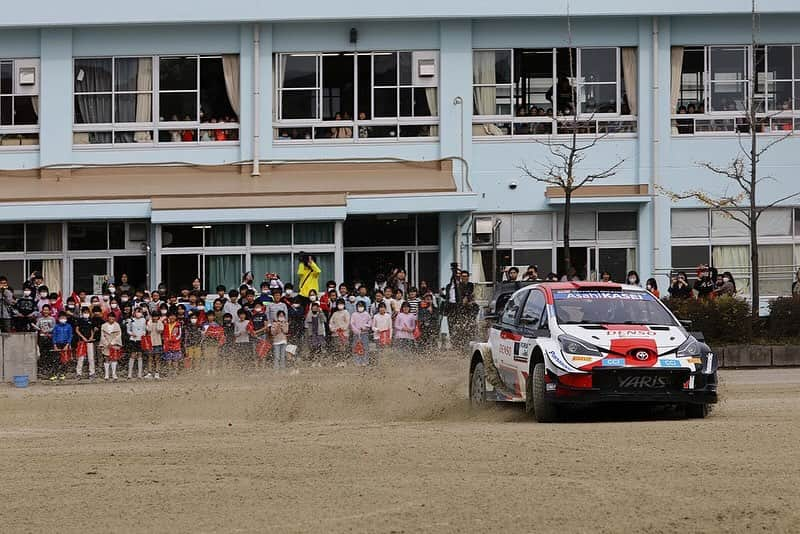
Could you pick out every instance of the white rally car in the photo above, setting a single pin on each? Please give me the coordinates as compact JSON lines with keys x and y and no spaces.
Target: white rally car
{"x":556,"y":344}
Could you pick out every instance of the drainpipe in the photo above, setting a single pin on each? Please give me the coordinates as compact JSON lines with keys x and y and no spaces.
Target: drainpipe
{"x":656,"y":147}
{"x":256,"y":99}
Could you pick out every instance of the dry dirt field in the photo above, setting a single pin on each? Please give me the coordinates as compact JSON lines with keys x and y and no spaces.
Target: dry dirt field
{"x":392,"y":449}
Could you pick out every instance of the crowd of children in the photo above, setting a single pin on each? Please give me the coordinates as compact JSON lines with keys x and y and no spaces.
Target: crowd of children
{"x":151,"y":333}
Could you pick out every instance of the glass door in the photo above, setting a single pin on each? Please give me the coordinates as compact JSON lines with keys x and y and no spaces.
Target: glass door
{"x":178,"y":270}
{"x":223,"y":269}
{"x":88,"y":274}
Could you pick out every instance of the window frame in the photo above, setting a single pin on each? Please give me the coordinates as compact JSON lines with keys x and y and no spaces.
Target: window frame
{"x":358,"y":127}
{"x":155,"y":125}
{"x":20,"y":132}
{"x":614,"y":124}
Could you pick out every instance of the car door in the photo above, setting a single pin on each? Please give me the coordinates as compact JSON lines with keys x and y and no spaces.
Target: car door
{"x":532,"y":324}
{"x":507,"y":339}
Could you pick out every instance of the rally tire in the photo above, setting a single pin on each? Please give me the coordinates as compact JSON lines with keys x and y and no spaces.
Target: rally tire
{"x":544,"y":410}
{"x":696,"y":411}
{"x":477,"y":386}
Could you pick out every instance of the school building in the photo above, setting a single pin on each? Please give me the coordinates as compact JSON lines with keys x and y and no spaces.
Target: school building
{"x":168,"y":140}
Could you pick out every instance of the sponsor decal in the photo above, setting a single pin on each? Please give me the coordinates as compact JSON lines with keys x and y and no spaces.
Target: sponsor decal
{"x":557,"y":359}
{"x":582,"y":359}
{"x":614,"y":362}
{"x":670,"y":362}
{"x":506,"y":350}
{"x":550,"y":386}
{"x":603,"y":295}
{"x":628,"y":333}
{"x":697,"y":361}
{"x":642,"y":382}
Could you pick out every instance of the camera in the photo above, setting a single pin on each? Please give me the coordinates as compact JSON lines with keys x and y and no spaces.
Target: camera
{"x":454,"y":265}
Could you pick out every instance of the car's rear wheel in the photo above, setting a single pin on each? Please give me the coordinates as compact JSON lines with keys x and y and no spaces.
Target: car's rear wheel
{"x":477,"y":386}
{"x":544,"y":410}
{"x":696,"y":411}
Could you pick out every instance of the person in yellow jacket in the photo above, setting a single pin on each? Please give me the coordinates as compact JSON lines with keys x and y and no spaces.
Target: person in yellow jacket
{"x":308,"y":275}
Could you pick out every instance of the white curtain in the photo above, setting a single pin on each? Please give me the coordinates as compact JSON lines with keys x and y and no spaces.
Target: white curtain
{"x":51,"y":272}
{"x":484,"y":98}
{"x":94,"y":108}
{"x":477,"y":267}
{"x":630,"y":71}
{"x":676,"y":62}
{"x":432,"y":96}
{"x":276,"y":105}
{"x":775,"y":269}
{"x":736,"y":259}
{"x":144,"y":82}
{"x":230,"y":66}
{"x":35,"y":104}
{"x":630,"y":260}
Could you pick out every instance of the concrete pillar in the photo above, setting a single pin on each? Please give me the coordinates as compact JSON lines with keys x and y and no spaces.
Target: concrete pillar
{"x":55,"y":101}
{"x":455,"y":85}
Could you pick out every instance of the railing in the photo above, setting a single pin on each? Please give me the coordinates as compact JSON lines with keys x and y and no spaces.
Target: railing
{"x":343,"y":132}
{"x":720,"y":125}
{"x":165,"y":133}
{"x":503,"y":127}
{"x":19,"y":137}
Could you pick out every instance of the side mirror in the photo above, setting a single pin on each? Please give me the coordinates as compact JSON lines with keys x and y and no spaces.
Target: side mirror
{"x":686,"y":323}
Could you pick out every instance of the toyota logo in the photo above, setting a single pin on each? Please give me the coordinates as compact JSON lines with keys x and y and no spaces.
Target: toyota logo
{"x":642,"y":355}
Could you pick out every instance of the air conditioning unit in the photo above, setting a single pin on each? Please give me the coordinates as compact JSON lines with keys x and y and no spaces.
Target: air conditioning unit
{"x":426,"y":68}
{"x":484,"y":231}
{"x":137,"y":232}
{"x":26,"y":76}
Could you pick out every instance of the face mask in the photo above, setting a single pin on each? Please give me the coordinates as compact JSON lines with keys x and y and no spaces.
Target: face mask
{"x":164,"y":312}
{"x":85,"y":315}
{"x":146,"y":301}
{"x":71,"y":307}
{"x":138,"y":315}
{"x":114,"y":305}
{"x":258,"y":310}
{"x":63,"y":320}
{"x":124,"y":299}
{"x":112,"y":290}
{"x":340,"y":307}
{"x":43,"y":295}
{"x":193,"y":320}
{"x":312,"y":298}
{"x":631,"y":280}
{"x":351,"y":298}
{"x":315,"y":313}
{"x":725,"y":279}
{"x":289,"y":293}
{"x":27,"y":293}
{"x":105,"y":298}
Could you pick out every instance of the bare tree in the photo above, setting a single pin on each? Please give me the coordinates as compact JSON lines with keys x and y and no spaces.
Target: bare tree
{"x":739,"y":200}
{"x":562,"y":167}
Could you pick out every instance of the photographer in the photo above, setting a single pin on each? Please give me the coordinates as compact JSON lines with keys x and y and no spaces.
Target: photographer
{"x":6,"y":305}
{"x":705,"y":283}
{"x":461,"y":309}
{"x":308,"y":275}
{"x":679,"y":287}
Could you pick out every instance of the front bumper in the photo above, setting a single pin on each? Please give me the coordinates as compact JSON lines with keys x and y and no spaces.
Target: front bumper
{"x":678,"y":386}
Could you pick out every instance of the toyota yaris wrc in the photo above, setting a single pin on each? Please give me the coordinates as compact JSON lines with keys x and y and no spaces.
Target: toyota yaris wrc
{"x":557,"y":344}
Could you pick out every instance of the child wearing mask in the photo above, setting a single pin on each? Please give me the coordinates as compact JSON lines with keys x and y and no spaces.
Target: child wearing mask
{"x":363,"y":297}
{"x":340,"y":329}
{"x":62,"y":345}
{"x":25,"y":308}
{"x":360,"y":326}
{"x":84,"y":331}
{"x":259,"y":330}
{"x":279,"y":331}
{"x":192,"y":337}
{"x":413,"y":301}
{"x":241,"y":334}
{"x":111,"y":345}
{"x":382,"y":326}
{"x":44,"y":299}
{"x":137,"y":329}
{"x":155,"y":327}
{"x":44,"y":326}
{"x":171,"y":340}
{"x":404,"y":326}
{"x":229,"y":344}
{"x":232,"y":304}
{"x":315,"y":332}
{"x":428,"y":322}
{"x":213,"y":339}
{"x":373,"y":309}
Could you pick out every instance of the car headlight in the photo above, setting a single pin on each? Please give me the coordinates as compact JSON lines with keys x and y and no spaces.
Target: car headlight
{"x":573,"y":345}
{"x":689,"y":348}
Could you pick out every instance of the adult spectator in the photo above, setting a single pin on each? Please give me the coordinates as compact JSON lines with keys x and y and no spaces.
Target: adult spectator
{"x":512,"y":274}
{"x":308,"y":275}
{"x":679,"y":287}
{"x":461,"y":308}
{"x":705,"y":281}
{"x":124,"y":286}
{"x":532,"y":274}
{"x":796,"y":284}
{"x":652,"y":286}
{"x":728,"y":287}
{"x":6,"y":305}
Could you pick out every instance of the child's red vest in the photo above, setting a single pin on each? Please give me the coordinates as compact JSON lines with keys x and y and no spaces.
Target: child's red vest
{"x":172,"y":337}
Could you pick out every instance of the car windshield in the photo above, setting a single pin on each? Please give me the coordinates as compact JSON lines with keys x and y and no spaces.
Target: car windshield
{"x":610,"y":307}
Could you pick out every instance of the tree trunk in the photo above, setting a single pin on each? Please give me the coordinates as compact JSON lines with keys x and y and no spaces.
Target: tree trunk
{"x":567,"y":212}
{"x":753,"y":219}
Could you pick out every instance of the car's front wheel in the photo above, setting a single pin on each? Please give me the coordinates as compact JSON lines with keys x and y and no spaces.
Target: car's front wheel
{"x":696,"y":411}
{"x":544,"y":410}
{"x":477,"y":386}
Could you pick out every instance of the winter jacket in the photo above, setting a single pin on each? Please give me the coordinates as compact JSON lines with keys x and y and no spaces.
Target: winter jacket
{"x":62,"y":334}
{"x":155,"y":328}
{"x":279,"y":331}
{"x":110,"y":334}
{"x":360,"y":323}
{"x":382,"y":323}
{"x":171,"y":337}
{"x":308,"y":275}
{"x":340,"y":320}
{"x":404,"y":325}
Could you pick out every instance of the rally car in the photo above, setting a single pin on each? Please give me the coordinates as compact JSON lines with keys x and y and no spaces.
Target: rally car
{"x":556,"y":344}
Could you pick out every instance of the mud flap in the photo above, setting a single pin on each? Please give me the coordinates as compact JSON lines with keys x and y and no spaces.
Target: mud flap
{"x":493,"y":377}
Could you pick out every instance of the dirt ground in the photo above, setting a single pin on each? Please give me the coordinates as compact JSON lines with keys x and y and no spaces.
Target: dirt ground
{"x":392,"y":449}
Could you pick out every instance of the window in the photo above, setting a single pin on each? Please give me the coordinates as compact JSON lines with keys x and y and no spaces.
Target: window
{"x":776,"y":269}
{"x":349,"y":96}
{"x":43,"y":237}
{"x":124,"y":100}
{"x":536,"y":91}
{"x":512,"y":308}
{"x":714,"y":83}
{"x":542,"y":258}
{"x":534,"y":307}
{"x":618,"y":221}
{"x":19,"y":103}
{"x":202,"y":235}
{"x":271,"y":234}
{"x":11,"y":237}
{"x":532,"y":227}
{"x":689,"y":223}
{"x":687,"y":258}
{"x":87,"y":236}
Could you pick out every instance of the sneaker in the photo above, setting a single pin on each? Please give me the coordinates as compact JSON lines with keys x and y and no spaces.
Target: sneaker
{"x":92,"y":377}
{"x":114,"y":377}
{"x":105,"y":378}
{"x":53,"y":378}
{"x":157,"y":377}
{"x":341,"y":364}
{"x":78,"y":377}
{"x":148,"y":375}
{"x":62,"y":377}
